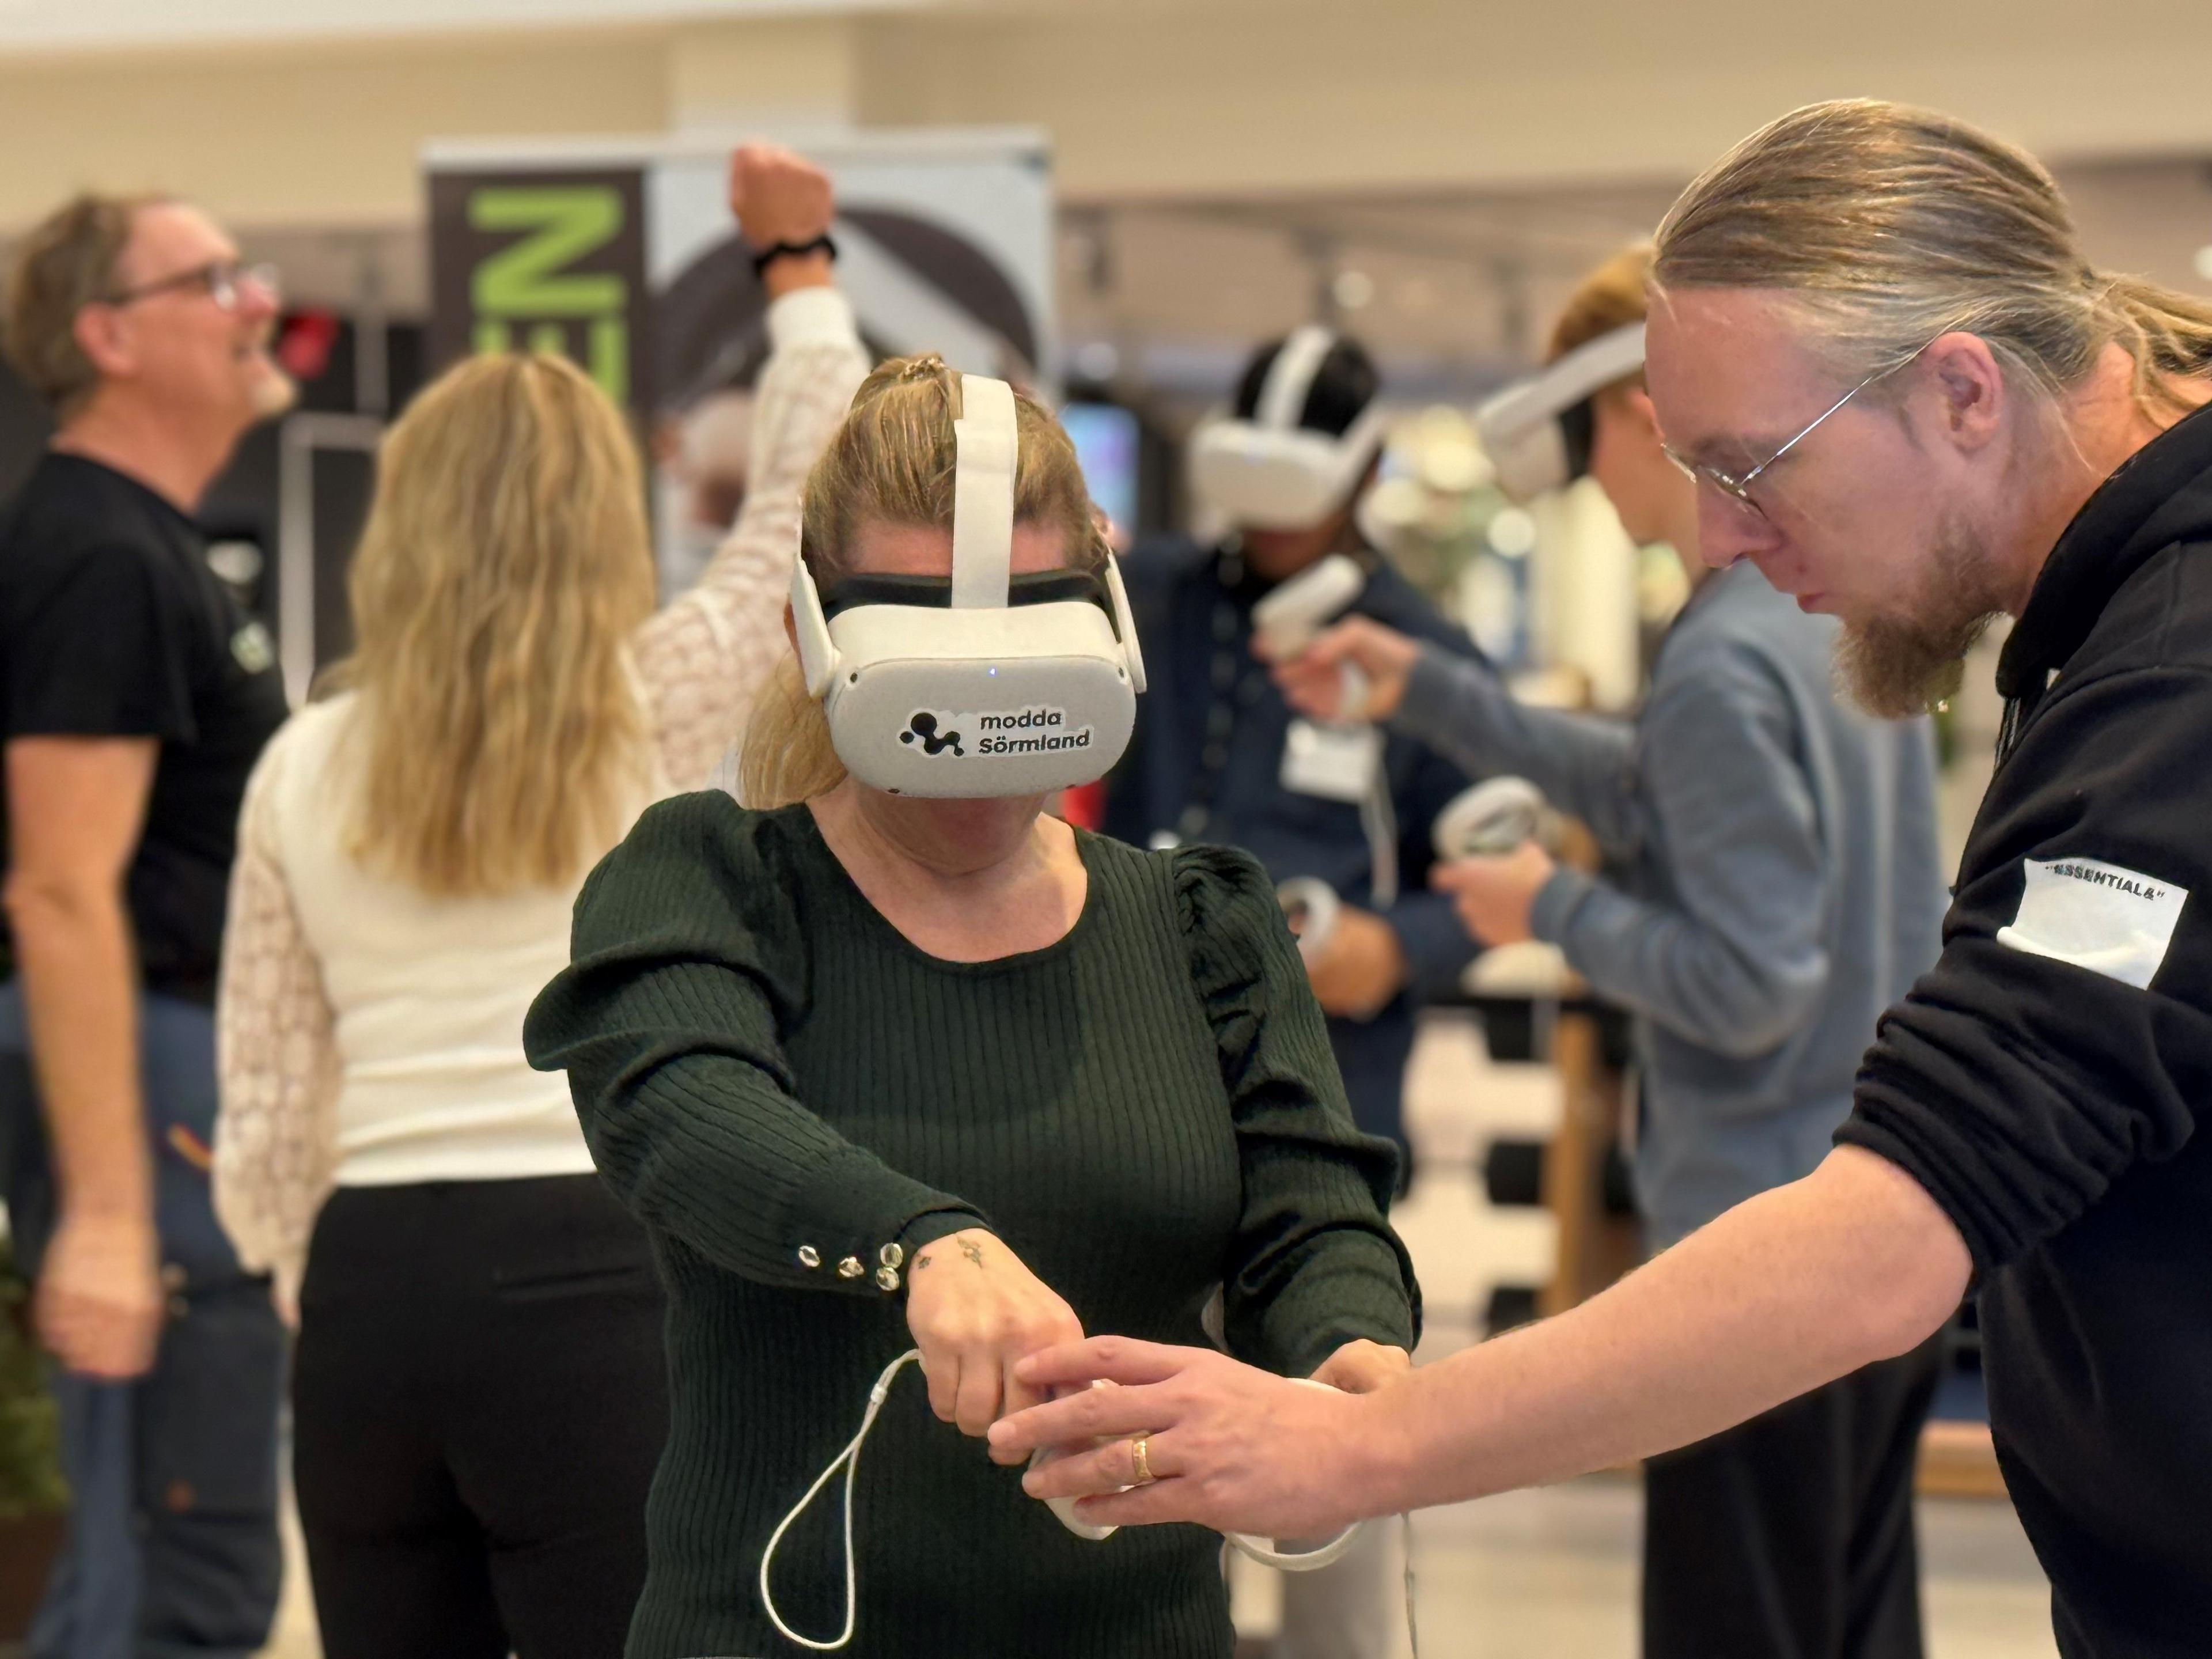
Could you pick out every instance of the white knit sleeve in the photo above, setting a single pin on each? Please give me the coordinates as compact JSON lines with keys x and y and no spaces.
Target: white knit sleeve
{"x":703,"y":660}
{"x":276,"y":1144}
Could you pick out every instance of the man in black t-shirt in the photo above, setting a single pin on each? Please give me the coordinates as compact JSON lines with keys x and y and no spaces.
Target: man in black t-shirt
{"x":1912,"y":403}
{"x":134,"y":698}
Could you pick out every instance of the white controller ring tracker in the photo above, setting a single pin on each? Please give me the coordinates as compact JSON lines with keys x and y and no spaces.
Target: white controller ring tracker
{"x":1494,"y":816}
{"x":1314,"y":906}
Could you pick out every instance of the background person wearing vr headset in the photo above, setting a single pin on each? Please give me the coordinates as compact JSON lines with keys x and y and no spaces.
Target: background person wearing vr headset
{"x":1219,"y":757}
{"x":1772,"y":883}
{"x":888,"y":1058}
{"x":1913,"y":402}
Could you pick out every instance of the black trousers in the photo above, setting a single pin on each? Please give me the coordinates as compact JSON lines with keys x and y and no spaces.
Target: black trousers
{"x":1791,"y":1536}
{"x":479,"y":1399}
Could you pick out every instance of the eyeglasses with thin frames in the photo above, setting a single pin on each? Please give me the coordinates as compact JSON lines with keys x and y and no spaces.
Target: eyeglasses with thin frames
{"x":224,"y":281}
{"x":1737,"y":486}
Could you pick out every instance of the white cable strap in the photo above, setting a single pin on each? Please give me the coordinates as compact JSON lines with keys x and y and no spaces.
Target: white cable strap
{"x":1263,"y":1552}
{"x":1259,"y":1549}
{"x":849,"y":1460}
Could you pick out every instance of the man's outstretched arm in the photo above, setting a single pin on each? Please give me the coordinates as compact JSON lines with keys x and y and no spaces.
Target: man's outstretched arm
{"x":1788,"y":1291}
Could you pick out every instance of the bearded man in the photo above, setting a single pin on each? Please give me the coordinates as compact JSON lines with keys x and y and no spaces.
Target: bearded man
{"x":1911,"y":403}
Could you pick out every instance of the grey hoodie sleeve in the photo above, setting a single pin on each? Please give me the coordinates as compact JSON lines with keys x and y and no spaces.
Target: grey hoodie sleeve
{"x":1583,"y":763}
{"x":1739,"y":960}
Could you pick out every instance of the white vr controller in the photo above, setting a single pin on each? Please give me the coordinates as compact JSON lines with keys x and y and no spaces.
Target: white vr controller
{"x":1495,"y":816}
{"x":1259,"y":1550}
{"x":1288,"y":619}
{"x":1262,"y":1550}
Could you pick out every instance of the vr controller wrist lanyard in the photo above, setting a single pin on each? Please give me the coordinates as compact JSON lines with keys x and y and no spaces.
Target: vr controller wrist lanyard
{"x":1259,"y":1549}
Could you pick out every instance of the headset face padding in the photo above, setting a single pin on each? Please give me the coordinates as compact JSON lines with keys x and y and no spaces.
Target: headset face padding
{"x":971,"y":704}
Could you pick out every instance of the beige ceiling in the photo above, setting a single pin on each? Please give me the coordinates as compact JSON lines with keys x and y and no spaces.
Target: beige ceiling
{"x":1225,"y":162}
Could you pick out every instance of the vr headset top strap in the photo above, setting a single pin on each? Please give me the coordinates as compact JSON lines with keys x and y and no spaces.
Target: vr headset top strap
{"x":986,"y":446}
{"x":1283,"y":394}
{"x":1584,"y":372}
{"x":1591,"y":367}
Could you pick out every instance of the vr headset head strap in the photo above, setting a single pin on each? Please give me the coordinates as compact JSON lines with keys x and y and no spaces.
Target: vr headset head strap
{"x":1290,"y":378}
{"x":985,"y":448}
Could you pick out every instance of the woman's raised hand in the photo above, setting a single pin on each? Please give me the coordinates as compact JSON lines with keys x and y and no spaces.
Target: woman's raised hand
{"x":975,"y":1311}
{"x":778,"y":195}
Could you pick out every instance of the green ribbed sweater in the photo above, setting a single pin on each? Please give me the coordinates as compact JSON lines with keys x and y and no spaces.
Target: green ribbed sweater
{"x":770,"y":1074}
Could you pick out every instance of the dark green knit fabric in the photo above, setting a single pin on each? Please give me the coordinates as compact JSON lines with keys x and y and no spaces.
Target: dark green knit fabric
{"x":1143,"y":1112}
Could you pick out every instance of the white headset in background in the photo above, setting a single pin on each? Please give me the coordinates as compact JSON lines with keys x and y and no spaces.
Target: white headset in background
{"x":1537,"y":432}
{"x":1269,"y":472}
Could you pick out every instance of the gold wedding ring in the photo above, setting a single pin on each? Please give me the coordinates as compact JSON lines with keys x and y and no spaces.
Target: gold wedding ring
{"x":1138,"y":1449}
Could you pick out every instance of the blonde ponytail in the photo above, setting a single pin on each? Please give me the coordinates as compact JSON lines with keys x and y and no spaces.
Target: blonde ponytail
{"x":787,"y":756}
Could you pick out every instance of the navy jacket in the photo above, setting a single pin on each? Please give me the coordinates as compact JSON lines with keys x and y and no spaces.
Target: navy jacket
{"x":1194,"y":626}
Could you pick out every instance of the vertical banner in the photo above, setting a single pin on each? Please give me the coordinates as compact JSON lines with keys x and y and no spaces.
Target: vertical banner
{"x":543,"y":260}
{"x":624,"y":255}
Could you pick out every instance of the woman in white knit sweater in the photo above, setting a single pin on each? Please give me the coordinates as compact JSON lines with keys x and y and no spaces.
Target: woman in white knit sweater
{"x":478,"y":1390}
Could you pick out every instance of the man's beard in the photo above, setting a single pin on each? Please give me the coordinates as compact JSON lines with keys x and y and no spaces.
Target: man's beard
{"x":1902,"y":664}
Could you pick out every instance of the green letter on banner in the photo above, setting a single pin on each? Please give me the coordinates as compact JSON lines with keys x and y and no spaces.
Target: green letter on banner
{"x":527,"y":280}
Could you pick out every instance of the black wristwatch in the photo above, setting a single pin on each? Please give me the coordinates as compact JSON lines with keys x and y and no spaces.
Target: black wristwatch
{"x":775,"y":251}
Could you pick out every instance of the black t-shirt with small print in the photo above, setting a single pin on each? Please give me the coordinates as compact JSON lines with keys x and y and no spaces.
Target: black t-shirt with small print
{"x":112,"y":625}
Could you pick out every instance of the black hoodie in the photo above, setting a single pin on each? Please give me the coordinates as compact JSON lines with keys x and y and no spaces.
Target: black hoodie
{"x":2047,"y":1081}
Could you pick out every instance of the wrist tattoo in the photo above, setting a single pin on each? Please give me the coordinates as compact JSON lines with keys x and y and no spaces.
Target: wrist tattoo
{"x":973,"y":1252}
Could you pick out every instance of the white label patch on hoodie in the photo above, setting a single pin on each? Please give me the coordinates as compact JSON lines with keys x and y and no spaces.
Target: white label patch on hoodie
{"x":2113,"y":922}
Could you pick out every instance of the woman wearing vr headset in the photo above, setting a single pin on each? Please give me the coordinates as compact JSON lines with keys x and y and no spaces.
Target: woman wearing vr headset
{"x":1773,"y":885}
{"x":479,"y":1389}
{"x":888,"y":1058}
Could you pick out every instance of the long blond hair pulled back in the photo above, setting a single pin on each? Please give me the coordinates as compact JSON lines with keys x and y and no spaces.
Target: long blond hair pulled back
{"x":1891,"y":225}
{"x":891,"y":462}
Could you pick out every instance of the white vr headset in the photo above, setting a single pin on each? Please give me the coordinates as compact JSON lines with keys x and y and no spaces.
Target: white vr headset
{"x":1537,"y":432}
{"x":984,"y":684}
{"x":1271,"y":473}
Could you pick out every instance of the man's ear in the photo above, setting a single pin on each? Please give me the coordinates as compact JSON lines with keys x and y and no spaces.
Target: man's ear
{"x":1970,"y":397}
{"x":103,"y":335}
{"x":1637,"y":402}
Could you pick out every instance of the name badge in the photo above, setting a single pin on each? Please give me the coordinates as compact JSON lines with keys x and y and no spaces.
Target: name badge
{"x":1333,"y":763}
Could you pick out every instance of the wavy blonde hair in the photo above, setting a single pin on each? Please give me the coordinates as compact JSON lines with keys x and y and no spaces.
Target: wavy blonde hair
{"x":891,"y":462}
{"x":504,"y":566}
